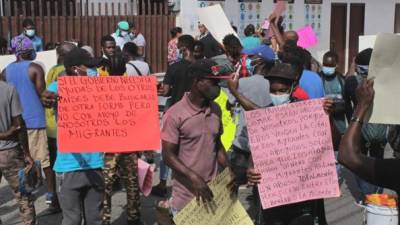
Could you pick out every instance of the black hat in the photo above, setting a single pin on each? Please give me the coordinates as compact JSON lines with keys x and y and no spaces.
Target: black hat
{"x":364,"y":57}
{"x":284,"y":71}
{"x":78,"y":56}
{"x":205,"y":68}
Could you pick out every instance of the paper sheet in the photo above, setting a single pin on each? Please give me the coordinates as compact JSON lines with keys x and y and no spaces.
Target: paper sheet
{"x":214,"y":18}
{"x":145,"y":177}
{"x":108,"y":114}
{"x":46,"y":59}
{"x":224,"y":211}
{"x":385,"y":67}
{"x":292,"y":148}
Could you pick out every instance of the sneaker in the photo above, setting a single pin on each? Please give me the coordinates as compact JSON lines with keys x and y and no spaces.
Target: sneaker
{"x":159,"y":190}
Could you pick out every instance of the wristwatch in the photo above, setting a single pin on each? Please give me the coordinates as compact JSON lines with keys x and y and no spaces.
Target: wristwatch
{"x":356,"y":120}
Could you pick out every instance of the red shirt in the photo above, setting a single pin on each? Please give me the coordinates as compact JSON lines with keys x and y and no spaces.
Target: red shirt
{"x":300,"y":94}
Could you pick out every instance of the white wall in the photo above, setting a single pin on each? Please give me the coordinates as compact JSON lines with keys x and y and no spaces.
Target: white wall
{"x":379,"y":17}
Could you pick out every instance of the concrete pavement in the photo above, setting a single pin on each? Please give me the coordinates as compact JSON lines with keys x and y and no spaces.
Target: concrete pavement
{"x":339,"y":211}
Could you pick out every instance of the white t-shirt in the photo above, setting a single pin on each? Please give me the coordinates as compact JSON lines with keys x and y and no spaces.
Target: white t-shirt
{"x":143,"y":67}
{"x":121,"y":41}
{"x":140,"y":42}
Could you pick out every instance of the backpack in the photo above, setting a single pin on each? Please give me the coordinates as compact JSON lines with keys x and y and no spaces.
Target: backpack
{"x":373,"y":133}
{"x":394,"y":137}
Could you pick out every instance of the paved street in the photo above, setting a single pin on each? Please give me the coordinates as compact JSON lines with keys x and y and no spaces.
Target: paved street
{"x":339,"y":211}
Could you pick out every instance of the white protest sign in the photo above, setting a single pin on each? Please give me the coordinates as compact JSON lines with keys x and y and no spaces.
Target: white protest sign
{"x":214,"y":18}
{"x":46,"y":59}
{"x":384,"y":66}
{"x":366,"y":41}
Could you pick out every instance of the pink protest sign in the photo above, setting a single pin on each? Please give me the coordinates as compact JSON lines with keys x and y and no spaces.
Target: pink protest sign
{"x":292,"y":148}
{"x":307,"y":37}
{"x":145,"y":177}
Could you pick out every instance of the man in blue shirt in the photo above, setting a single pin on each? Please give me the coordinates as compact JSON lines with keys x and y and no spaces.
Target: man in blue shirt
{"x":79,"y":175}
{"x":310,"y":81}
{"x":30,"y":32}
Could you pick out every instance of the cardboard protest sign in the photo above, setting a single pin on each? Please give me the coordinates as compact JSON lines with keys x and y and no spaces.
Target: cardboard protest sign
{"x":214,"y":18}
{"x":384,"y":67}
{"x":224,"y":209}
{"x":46,"y":59}
{"x":307,"y":37}
{"x":108,"y":114}
{"x":145,"y":177}
{"x":228,"y":123}
{"x":292,"y":148}
{"x":280,"y":7}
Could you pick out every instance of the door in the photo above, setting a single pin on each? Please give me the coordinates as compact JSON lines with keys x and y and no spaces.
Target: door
{"x":357,"y":12}
{"x":397,"y":19}
{"x":338,"y":32}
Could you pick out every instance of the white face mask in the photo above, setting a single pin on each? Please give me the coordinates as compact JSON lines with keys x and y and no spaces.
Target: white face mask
{"x":280,"y":99}
{"x":124,"y":33}
{"x":30,"y":32}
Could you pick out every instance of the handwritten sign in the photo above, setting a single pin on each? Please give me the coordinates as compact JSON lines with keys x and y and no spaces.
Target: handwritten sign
{"x":229,"y":126}
{"x":108,"y":114}
{"x":292,"y":148}
{"x":307,"y":37}
{"x":225,"y":209}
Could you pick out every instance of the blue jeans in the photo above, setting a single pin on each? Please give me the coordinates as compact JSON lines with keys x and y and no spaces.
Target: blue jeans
{"x":164,"y":170}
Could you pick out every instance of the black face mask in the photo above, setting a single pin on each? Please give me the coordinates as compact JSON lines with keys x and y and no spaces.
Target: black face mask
{"x":212,"y":93}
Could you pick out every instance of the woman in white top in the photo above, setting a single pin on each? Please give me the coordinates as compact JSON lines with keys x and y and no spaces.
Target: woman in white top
{"x":134,"y":66}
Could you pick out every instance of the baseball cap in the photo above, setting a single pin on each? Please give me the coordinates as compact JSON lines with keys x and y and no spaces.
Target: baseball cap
{"x":78,"y":56}
{"x":264,"y":51}
{"x":205,"y":68}
{"x":123,"y":25}
{"x":21,"y":44}
{"x":284,"y":71}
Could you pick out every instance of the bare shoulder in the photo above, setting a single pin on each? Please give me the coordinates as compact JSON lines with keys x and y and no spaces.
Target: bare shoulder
{"x":36,"y":68}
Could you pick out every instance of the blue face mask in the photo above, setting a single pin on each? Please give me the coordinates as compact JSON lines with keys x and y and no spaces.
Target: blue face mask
{"x":362,"y":70}
{"x":280,"y":99}
{"x":249,"y":67}
{"x":328,"y":71}
{"x":91,"y":72}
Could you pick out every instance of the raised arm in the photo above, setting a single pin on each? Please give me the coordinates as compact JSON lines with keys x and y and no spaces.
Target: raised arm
{"x":350,"y":148}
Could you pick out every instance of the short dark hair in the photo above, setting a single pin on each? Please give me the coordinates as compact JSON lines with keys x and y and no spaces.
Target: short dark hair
{"x":175,"y":31}
{"x":331,"y":54}
{"x":199,"y":44}
{"x":364,"y":57}
{"x":28,"y":22}
{"x":106,"y":38}
{"x":294,"y":55}
{"x":186,"y":41}
{"x":131,"y":49}
{"x":232,"y":45}
{"x":249,"y":30}
{"x":117,"y":65}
